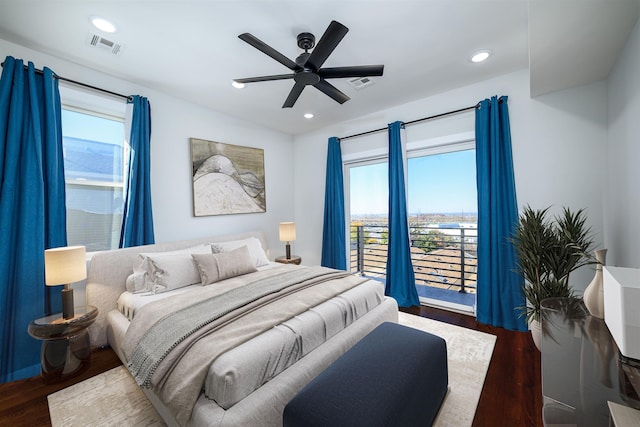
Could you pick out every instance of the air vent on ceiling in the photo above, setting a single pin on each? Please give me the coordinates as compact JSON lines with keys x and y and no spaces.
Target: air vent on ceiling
{"x":100,"y":42}
{"x":361,"y":82}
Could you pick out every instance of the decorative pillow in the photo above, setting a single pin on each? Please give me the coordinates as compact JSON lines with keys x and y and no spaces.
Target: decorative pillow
{"x":173,"y":271}
{"x":223,"y":265}
{"x":144,"y":277}
{"x":252,"y":243}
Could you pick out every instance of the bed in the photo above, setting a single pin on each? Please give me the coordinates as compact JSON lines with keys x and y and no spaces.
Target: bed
{"x":264,"y":329}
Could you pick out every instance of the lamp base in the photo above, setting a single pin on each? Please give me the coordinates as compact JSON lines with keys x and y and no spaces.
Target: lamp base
{"x":288,"y":251}
{"x":67,"y":303}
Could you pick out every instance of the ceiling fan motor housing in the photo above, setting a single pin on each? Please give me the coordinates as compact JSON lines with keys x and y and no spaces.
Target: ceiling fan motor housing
{"x":306,"y":75}
{"x":306,"y":41}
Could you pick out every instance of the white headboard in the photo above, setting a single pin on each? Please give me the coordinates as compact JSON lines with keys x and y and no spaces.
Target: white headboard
{"x":108,"y":272}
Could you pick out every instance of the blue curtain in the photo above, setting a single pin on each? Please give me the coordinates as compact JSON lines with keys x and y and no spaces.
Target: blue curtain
{"x":32,"y":209}
{"x":334,"y":251}
{"x":499,"y":287}
{"x":401,"y":282}
{"x":137,"y":220}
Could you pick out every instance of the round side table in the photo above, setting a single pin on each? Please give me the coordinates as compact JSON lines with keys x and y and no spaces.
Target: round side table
{"x":66,"y":346}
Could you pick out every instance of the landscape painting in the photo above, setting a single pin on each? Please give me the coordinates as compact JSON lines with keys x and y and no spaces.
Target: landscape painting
{"x":227,"y":179}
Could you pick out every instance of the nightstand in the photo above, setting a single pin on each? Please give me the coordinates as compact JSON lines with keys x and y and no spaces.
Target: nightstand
{"x":66,"y":346}
{"x":293,"y":260}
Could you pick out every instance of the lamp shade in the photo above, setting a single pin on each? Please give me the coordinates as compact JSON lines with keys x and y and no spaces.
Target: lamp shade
{"x":65,"y":265}
{"x":287,"y":231}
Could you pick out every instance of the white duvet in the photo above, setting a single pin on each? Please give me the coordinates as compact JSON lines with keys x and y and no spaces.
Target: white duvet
{"x":242,"y":370}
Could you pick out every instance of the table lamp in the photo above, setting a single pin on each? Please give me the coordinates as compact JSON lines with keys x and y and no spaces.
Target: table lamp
{"x":288,"y":234}
{"x":64,"y":266}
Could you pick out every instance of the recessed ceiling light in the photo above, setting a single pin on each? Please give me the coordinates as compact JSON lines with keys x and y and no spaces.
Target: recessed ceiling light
{"x":480,"y":56}
{"x":308,"y":116}
{"x":237,"y":85}
{"x":102,"y":24}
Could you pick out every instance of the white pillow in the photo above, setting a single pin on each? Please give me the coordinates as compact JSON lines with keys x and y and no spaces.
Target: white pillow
{"x":162,"y":271}
{"x":173,"y":271}
{"x":252,"y":243}
{"x":223,"y":265}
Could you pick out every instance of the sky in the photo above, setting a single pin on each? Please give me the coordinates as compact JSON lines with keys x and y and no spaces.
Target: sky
{"x":85,"y":126}
{"x":440,"y":183}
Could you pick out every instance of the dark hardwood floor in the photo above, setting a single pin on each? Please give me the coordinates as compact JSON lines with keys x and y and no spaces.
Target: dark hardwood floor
{"x":24,"y":403}
{"x":511,"y":397}
{"x":512,"y":392}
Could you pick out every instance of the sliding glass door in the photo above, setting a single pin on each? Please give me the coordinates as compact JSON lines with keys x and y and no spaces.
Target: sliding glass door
{"x":442,"y":206}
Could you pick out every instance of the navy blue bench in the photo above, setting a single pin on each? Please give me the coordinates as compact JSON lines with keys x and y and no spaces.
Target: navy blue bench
{"x":395,"y":376}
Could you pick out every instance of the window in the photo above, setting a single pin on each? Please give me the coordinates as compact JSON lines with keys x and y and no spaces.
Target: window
{"x":94,"y":162}
{"x":442,"y":210}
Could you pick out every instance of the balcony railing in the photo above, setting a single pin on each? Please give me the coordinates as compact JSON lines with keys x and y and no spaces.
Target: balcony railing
{"x":443,"y":256}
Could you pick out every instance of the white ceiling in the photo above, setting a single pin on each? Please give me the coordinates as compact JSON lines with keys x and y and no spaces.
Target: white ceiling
{"x":190,"y":49}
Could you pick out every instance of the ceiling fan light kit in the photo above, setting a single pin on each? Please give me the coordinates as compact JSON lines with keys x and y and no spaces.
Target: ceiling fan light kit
{"x":307,"y":68}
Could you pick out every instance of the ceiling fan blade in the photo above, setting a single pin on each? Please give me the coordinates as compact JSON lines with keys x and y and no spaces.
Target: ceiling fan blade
{"x":356,"y":71}
{"x":268,"y":50}
{"x":264,"y":78}
{"x":293,"y":95}
{"x":331,"y":91}
{"x":332,"y":36}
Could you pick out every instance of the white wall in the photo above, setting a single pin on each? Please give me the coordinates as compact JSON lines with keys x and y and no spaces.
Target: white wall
{"x":173,"y":122}
{"x":559,"y":143}
{"x":621,"y":191}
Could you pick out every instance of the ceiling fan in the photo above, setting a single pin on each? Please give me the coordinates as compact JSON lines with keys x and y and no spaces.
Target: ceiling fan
{"x":307,"y":69}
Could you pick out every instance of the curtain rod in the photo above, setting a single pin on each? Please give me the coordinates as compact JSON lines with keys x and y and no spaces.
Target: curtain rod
{"x":412,"y":122}
{"x":99,"y":89}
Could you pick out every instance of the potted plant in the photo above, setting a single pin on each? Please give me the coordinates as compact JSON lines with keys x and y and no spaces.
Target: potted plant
{"x":548,"y":251}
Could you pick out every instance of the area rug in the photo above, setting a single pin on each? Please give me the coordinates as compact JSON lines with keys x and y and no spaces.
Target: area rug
{"x":113,"y":399}
{"x":468,"y":356}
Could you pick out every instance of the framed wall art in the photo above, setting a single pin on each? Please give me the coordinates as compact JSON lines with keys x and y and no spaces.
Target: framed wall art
{"x":227,"y":179}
